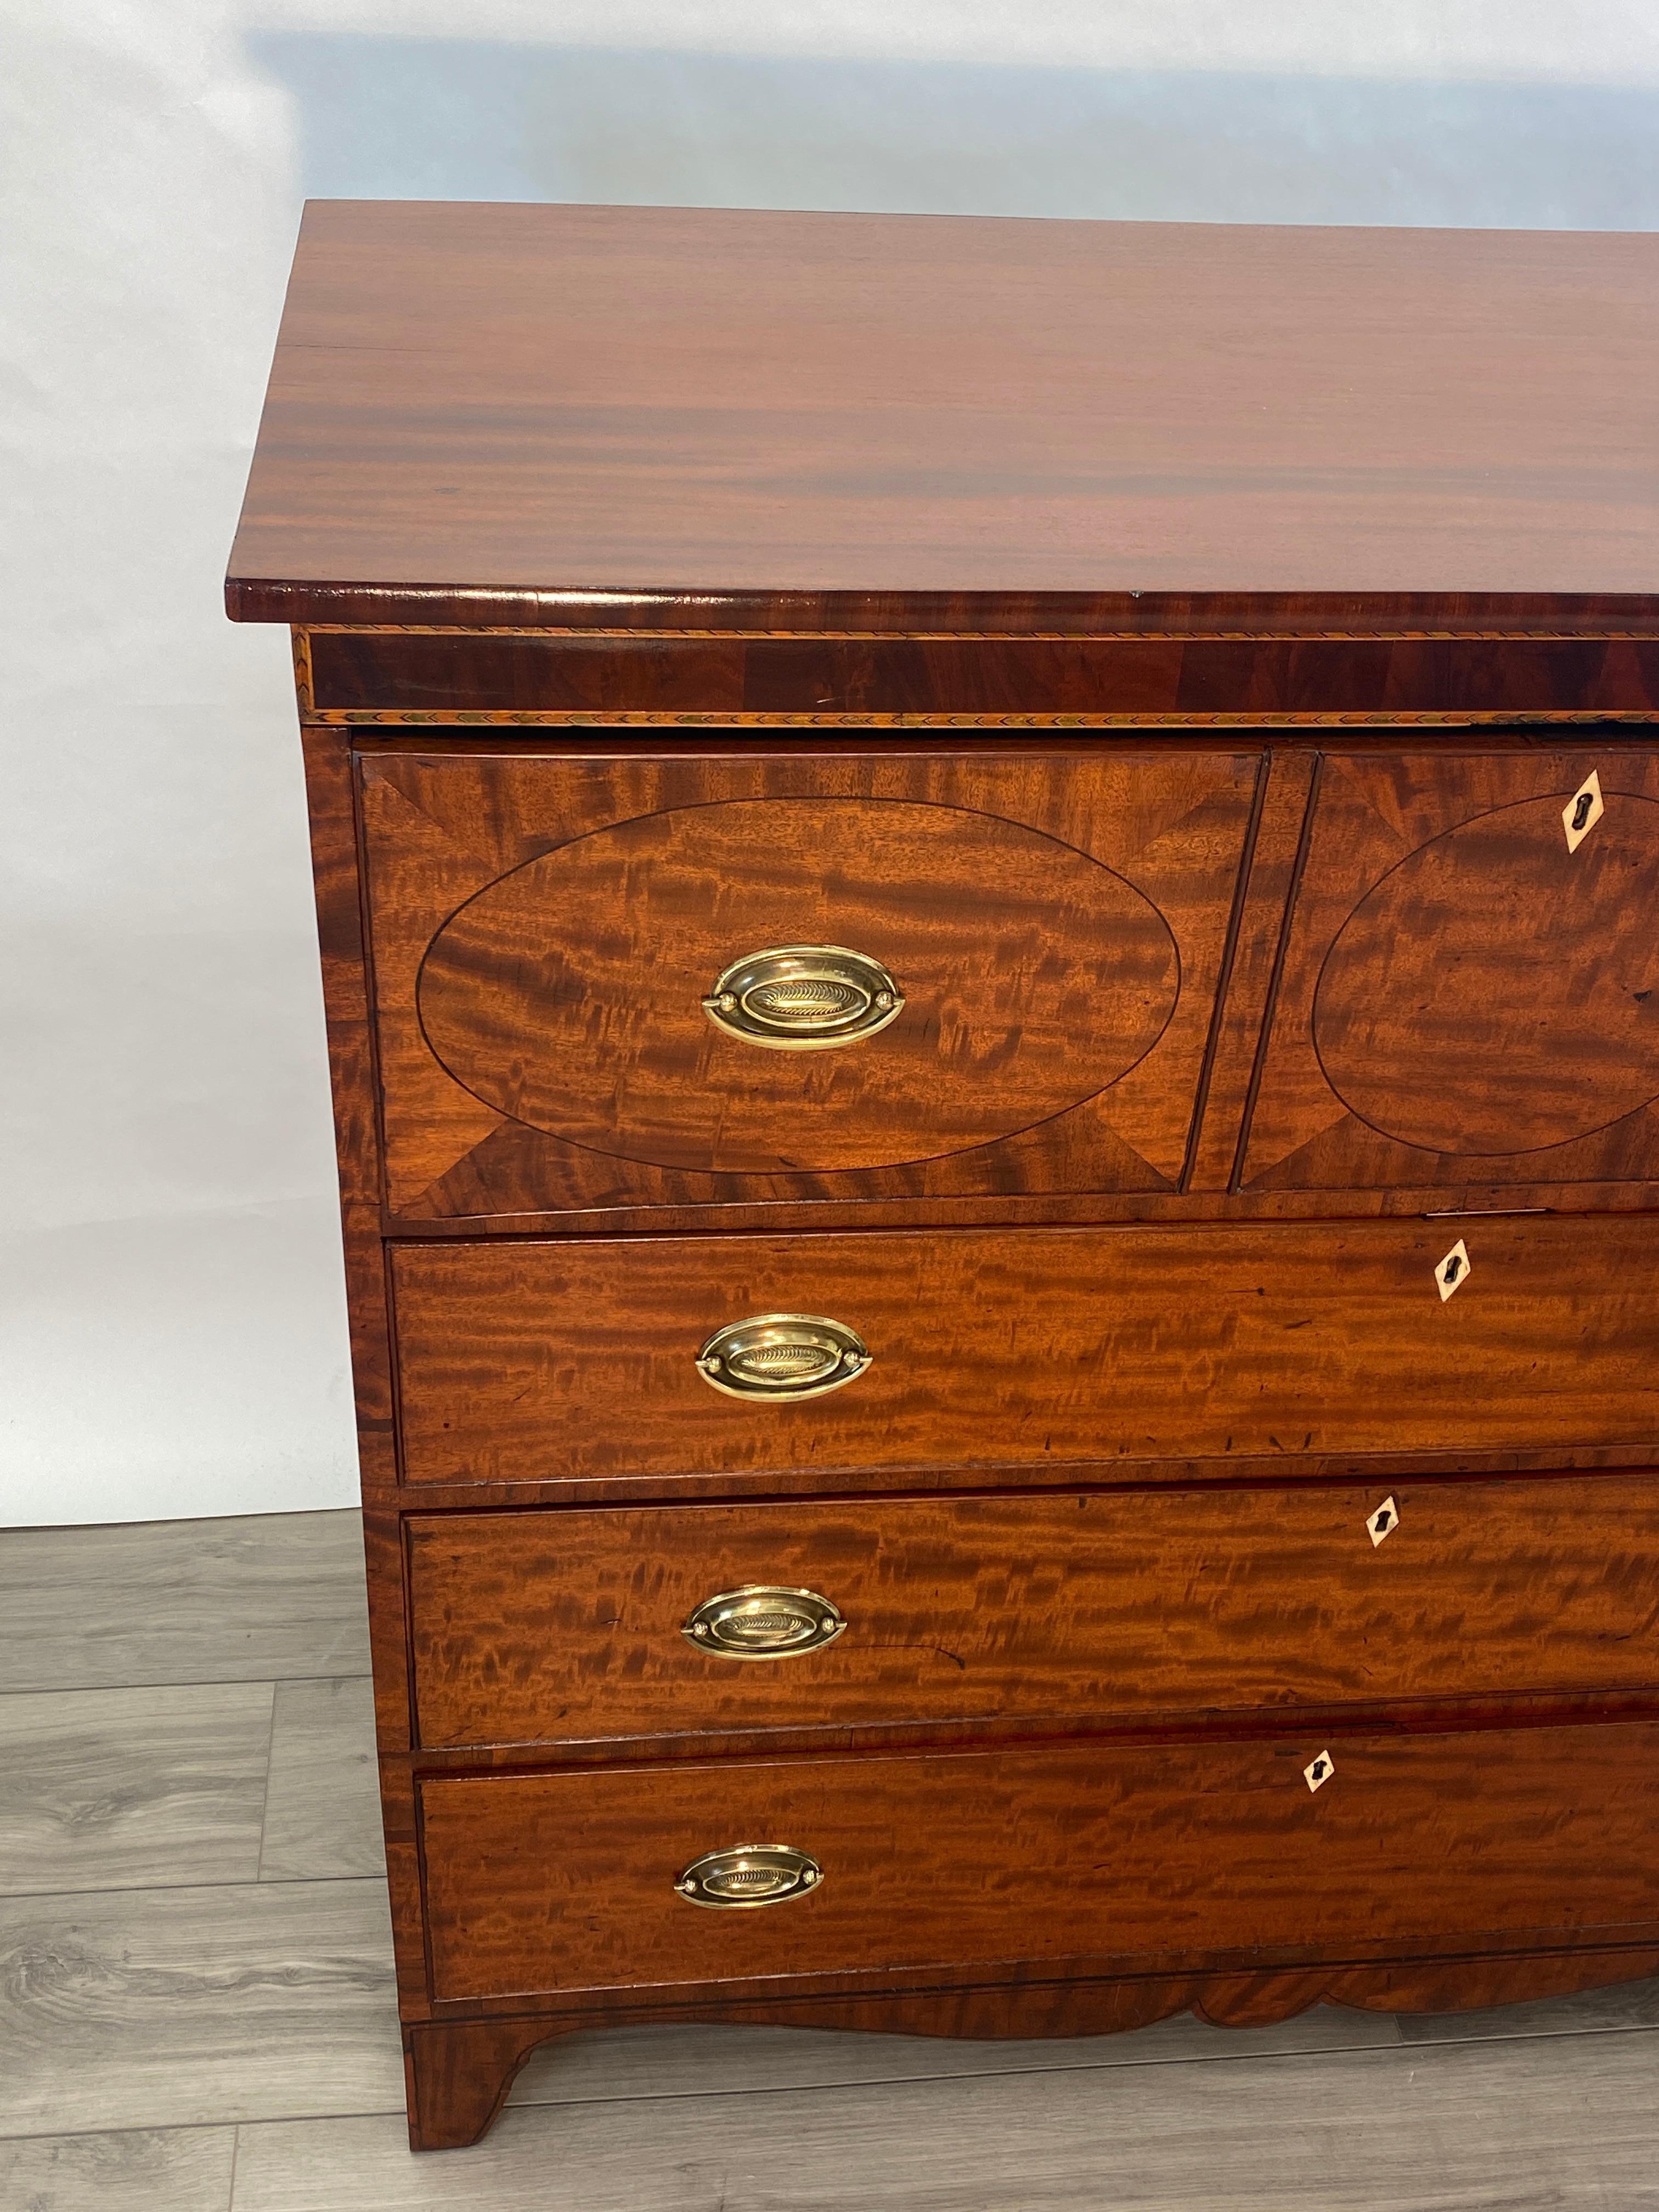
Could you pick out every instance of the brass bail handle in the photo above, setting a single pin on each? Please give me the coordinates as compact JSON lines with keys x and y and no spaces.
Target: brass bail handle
{"x":782,"y":1356}
{"x":804,"y":998}
{"x":744,"y":1875}
{"x":763,"y":1620}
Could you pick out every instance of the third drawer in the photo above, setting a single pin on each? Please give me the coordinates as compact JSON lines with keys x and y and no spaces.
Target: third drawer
{"x":576,"y":1625}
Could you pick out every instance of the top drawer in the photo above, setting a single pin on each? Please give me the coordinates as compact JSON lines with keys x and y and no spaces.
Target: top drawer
{"x":1038,"y":941}
{"x":1469,"y":991}
{"x":1010,"y":976}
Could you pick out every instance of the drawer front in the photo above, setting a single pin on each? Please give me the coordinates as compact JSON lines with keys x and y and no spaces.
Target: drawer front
{"x":1201,"y":1348}
{"x":573,"y":1625}
{"x":1470,"y":992}
{"x":1180,"y":1852}
{"x":945,"y":976}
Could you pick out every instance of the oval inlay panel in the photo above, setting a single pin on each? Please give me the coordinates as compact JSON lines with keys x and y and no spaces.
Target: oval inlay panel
{"x":570,"y":993}
{"x":1495,"y":993}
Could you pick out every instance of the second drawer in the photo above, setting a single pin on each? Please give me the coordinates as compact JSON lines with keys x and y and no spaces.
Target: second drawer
{"x":1202,"y":1346}
{"x":570,"y":1625}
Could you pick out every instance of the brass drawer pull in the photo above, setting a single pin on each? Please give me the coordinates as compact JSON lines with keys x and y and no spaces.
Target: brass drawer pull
{"x":762,"y":1622}
{"x":747,"y":1874}
{"x":782,"y":1356}
{"x":804,"y":998}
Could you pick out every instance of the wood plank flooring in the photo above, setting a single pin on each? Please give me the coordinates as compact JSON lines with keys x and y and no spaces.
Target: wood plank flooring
{"x":196,"y":2006}
{"x":1514,"y":2125}
{"x":277,"y":1597}
{"x":80,"y":1809}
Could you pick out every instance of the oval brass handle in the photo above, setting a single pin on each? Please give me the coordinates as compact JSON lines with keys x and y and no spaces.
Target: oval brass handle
{"x":782,"y":1356}
{"x":749,"y":1875}
{"x":763,"y":1622}
{"x":804,"y":998}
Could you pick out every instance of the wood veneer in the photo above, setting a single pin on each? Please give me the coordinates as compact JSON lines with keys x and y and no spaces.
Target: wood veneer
{"x":460,"y":2070}
{"x":1174,"y":1349}
{"x":1186,"y":558}
{"x":565,"y":1626}
{"x":391,"y":678}
{"x":1462,"y":994}
{"x":474,"y":411}
{"x":1169,"y":1855}
{"x":545,"y":929}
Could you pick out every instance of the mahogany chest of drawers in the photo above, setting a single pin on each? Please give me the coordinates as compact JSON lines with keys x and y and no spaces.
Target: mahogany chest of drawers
{"x":987,"y":896}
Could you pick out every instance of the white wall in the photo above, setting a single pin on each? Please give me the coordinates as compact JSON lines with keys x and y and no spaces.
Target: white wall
{"x":174,"y":1336}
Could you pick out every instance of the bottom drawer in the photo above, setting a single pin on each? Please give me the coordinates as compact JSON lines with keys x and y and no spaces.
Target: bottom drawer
{"x":1187,"y":1853}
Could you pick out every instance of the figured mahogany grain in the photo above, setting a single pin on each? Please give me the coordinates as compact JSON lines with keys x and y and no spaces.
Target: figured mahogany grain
{"x":352,"y":1077}
{"x":725,"y":467}
{"x":569,"y":994}
{"x":475,"y":408}
{"x":1546,"y":983}
{"x":1462,"y":995}
{"x":357,"y":1150}
{"x":1188,"y":1344}
{"x":566,"y":1880}
{"x":389,"y":675}
{"x":568,"y":1625}
{"x":546,"y":928}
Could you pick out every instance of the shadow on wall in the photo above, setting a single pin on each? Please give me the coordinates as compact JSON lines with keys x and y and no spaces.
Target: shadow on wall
{"x":448,"y":120}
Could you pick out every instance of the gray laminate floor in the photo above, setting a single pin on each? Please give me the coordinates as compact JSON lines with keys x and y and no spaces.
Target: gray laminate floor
{"x":196,"y":2015}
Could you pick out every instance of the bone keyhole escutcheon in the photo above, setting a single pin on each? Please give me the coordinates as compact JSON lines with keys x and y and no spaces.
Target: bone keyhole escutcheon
{"x":1453,"y":1272}
{"x":1582,"y":810}
{"x":1383,"y":1521}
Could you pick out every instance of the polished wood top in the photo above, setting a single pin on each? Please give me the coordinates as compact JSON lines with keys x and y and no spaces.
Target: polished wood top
{"x":658,"y":417}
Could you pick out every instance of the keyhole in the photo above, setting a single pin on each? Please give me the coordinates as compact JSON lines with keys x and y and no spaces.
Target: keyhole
{"x":1317,"y":1770}
{"x":1454,"y":1268}
{"x":1384,"y":1519}
{"x":1581,"y":811}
